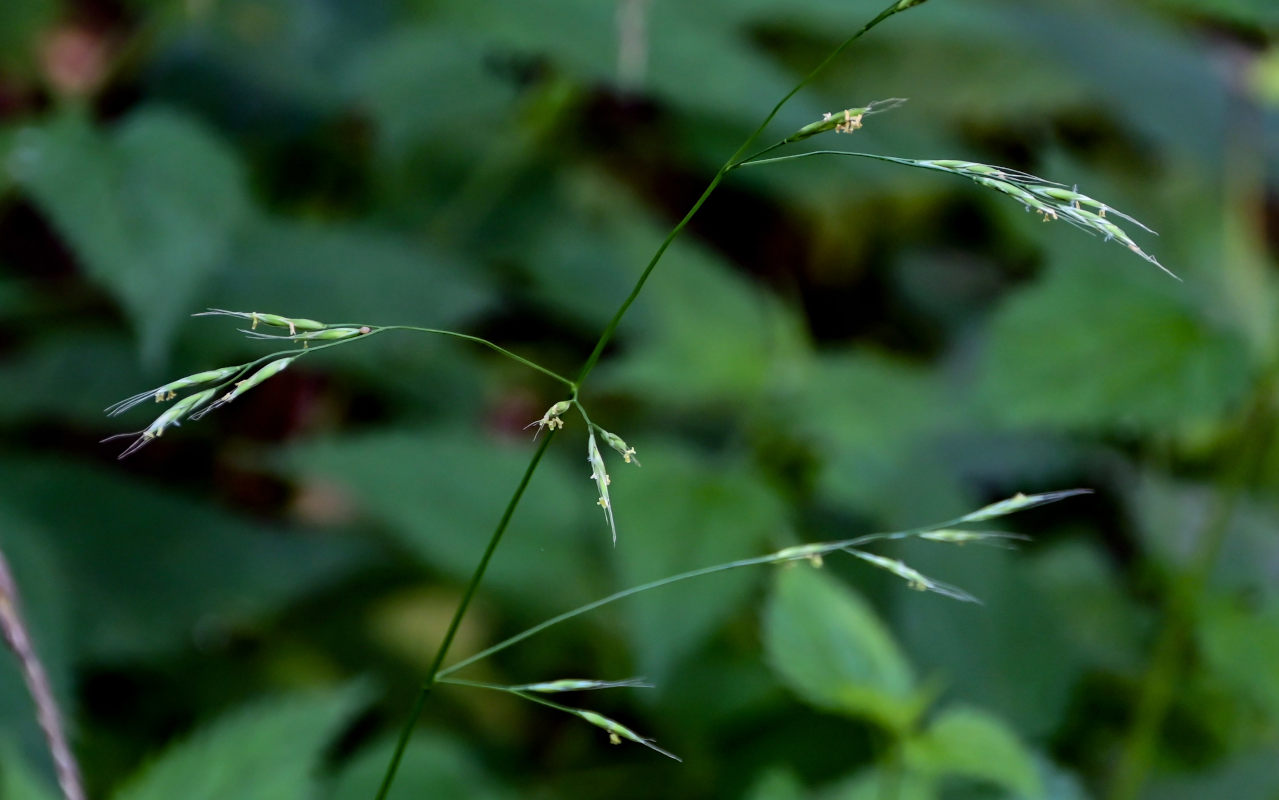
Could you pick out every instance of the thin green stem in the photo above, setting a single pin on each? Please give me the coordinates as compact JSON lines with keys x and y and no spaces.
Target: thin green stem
{"x":803,"y":551}
{"x":613,"y":323}
{"x":475,"y":684}
{"x":755,"y":160}
{"x":433,"y":672}
{"x":490,"y":345}
{"x":612,"y":598}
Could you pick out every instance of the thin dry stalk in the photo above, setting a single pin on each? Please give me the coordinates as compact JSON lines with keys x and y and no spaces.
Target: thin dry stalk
{"x":33,"y":672}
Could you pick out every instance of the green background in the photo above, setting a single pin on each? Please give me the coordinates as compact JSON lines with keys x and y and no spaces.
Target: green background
{"x":246,"y":607}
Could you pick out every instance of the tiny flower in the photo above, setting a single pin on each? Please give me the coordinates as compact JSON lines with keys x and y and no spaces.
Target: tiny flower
{"x":169,"y":390}
{"x":846,"y":121}
{"x":913,"y":577}
{"x":812,"y":552}
{"x":274,"y":320}
{"x":614,"y":441}
{"x":617,"y":731}
{"x":1019,"y":502}
{"x":600,"y":476}
{"x":551,"y":419}
{"x":171,"y":417}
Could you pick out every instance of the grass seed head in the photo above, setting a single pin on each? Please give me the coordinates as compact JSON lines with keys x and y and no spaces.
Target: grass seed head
{"x":169,"y":390}
{"x":617,"y":731}
{"x":846,"y":121}
{"x":600,"y":475}
{"x":624,"y":450}
{"x":294,"y":324}
{"x":172,"y":417}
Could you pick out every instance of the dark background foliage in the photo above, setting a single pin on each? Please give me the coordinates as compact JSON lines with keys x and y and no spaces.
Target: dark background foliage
{"x":248,"y":604}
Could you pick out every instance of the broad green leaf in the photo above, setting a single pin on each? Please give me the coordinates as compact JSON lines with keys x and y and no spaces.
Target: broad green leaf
{"x":1247,"y":774}
{"x":1173,"y":517}
{"x":973,"y":744}
{"x":1086,"y":593}
{"x":272,"y":67}
{"x":874,"y":420}
{"x":1260,"y":13}
{"x":830,"y":648}
{"x":434,"y":765}
{"x":680,"y":511}
{"x":1094,"y":350}
{"x":149,"y":207}
{"x":70,"y":374}
{"x":22,"y":23}
{"x":876,"y":784}
{"x":339,"y":273}
{"x":1012,"y":655}
{"x":777,"y":784}
{"x":148,"y":564}
{"x":441,"y":492}
{"x":267,"y":751}
{"x":390,"y":75}
{"x":682,"y":39}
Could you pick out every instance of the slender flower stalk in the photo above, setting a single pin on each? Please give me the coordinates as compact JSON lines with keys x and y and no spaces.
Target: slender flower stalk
{"x":34,"y":675}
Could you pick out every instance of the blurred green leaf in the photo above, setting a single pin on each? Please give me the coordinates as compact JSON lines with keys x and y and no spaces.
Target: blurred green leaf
{"x":68,"y":375}
{"x":434,"y":765}
{"x":1092,"y":350}
{"x":1241,"y":647}
{"x":440,"y":492}
{"x":338,"y":273}
{"x":1261,"y":13}
{"x":148,"y":564}
{"x":971,"y":743}
{"x":1173,"y":517}
{"x":827,"y":645}
{"x":17,"y":780}
{"x":1250,"y":774}
{"x":777,"y":784}
{"x":583,"y":276}
{"x":22,"y":23}
{"x":1009,"y":655}
{"x":389,"y":78}
{"x":683,"y":40}
{"x":149,"y":207}
{"x":875,"y":784}
{"x":1086,"y":592}
{"x":707,"y":335}
{"x":678,"y":512}
{"x":875,"y":420}
{"x":268,"y":751}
